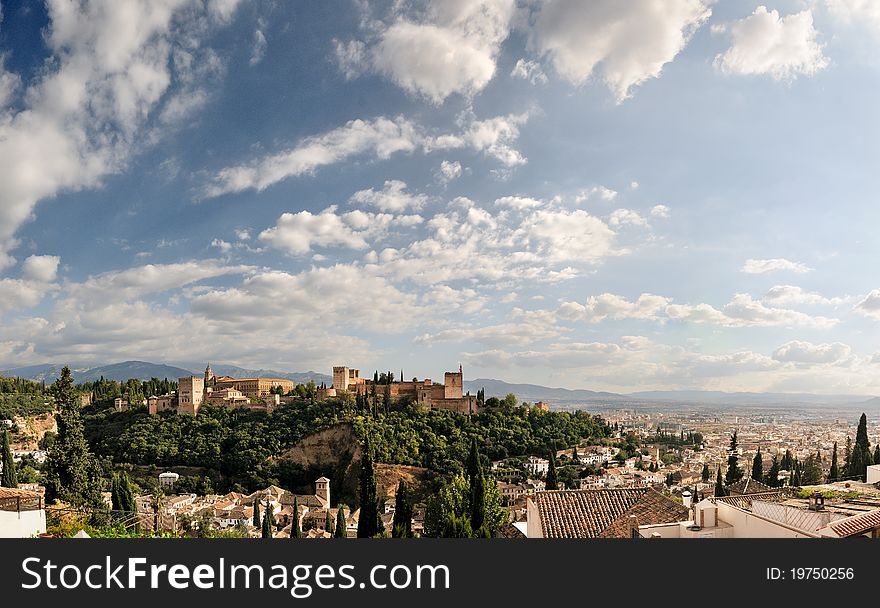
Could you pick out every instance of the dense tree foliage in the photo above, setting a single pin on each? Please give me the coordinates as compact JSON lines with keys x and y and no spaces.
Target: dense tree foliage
{"x":448,"y":513}
{"x":122,"y":493}
{"x":834,"y":472}
{"x":403,"y":512}
{"x":860,"y":457}
{"x":758,"y":466}
{"x":71,"y":471}
{"x":370,"y":520}
{"x":734,"y":472}
{"x":10,"y":477}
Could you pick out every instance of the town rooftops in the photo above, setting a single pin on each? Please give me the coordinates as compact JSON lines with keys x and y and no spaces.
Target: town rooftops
{"x":747,"y":485}
{"x":855,"y":525}
{"x":744,"y":501}
{"x":604,"y":513}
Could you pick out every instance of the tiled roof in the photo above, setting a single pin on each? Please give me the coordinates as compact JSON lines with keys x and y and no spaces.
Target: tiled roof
{"x":744,"y":501}
{"x":857,"y":524}
{"x":18,"y":493}
{"x":603,"y":512}
{"x":748,"y":485}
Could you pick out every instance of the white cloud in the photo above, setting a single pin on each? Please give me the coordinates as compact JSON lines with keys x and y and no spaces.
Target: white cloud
{"x":518,"y":202}
{"x":856,"y":11}
{"x":222,"y":245}
{"x":621,"y":217}
{"x":660,"y":211}
{"x":449,"y":170}
{"x":753,"y":266}
{"x":9,"y":82}
{"x":41,"y":268}
{"x":529,"y":70}
{"x":598,"y":308}
{"x":259,"y":48}
{"x":869,"y":305}
{"x":392,"y":197}
{"x":110,"y":68}
{"x":450,"y":48}
{"x":626,"y":43}
{"x":569,"y":236}
{"x":605,"y":194}
{"x":382,"y":137}
{"x":793,"y":295}
{"x":781,"y":47}
{"x":797,"y":351}
{"x":351,"y":57}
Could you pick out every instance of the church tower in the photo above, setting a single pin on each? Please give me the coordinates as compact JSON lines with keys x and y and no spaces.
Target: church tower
{"x":209,"y":375}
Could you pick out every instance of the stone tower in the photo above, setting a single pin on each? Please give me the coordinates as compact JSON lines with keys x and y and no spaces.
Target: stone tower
{"x":322,"y":489}
{"x":209,"y":374}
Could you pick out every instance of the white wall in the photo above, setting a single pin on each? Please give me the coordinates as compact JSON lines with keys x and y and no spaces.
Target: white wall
{"x":749,"y":525}
{"x":22,"y":525}
{"x":873,"y":473}
{"x":533,"y":520}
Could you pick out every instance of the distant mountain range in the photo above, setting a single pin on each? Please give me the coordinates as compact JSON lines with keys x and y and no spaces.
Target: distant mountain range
{"x":144,"y":370}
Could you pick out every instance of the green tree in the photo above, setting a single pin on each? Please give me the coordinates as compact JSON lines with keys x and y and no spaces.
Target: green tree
{"x":370,"y":520}
{"x":339,"y":532}
{"x":71,"y":470}
{"x":552,"y":481}
{"x":787,"y":463}
{"x":847,"y":456}
{"x":719,"y":485}
{"x":328,"y":523}
{"x":834,"y":472}
{"x":734,"y":473}
{"x":403,"y":512}
{"x":448,"y":512}
{"x":268,"y":521}
{"x":811,"y":471}
{"x":758,"y":467}
{"x":10,"y":477}
{"x":121,"y":493}
{"x":861,"y":456}
{"x":877,"y":454}
{"x":773,"y":474}
{"x":257,"y":522}
{"x":705,"y":474}
{"x":295,"y":528}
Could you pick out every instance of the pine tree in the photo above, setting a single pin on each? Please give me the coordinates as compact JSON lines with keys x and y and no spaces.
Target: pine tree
{"x":758,"y":467}
{"x":860,"y":457}
{"x":370,"y":520}
{"x":71,"y":470}
{"x":719,"y":485}
{"x":403,"y":512}
{"x":295,"y":529}
{"x":705,"y":474}
{"x":340,"y":531}
{"x":552,"y":482}
{"x":10,"y":477}
{"x":834,"y":473}
{"x":734,"y":473}
{"x":257,"y":522}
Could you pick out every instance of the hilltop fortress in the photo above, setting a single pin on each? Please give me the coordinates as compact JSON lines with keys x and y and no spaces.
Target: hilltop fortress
{"x":446,"y":396}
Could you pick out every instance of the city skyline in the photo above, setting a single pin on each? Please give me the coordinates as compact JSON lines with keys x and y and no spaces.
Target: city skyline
{"x":601,"y":196}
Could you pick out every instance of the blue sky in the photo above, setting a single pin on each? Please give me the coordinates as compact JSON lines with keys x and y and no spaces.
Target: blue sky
{"x":605,"y":195}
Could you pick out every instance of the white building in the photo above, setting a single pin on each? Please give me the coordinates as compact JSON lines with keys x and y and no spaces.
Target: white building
{"x":873,"y":474}
{"x":537,"y":466}
{"x":21,"y":513}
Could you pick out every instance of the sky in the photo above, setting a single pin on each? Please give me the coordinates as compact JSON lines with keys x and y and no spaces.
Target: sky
{"x":675,"y":194}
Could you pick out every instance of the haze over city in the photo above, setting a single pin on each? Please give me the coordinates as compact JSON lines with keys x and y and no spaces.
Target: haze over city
{"x":684,"y":202}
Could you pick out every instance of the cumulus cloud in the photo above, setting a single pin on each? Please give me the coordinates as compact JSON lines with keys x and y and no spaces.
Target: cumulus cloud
{"x":793,"y":295}
{"x":869,"y":306}
{"x":753,"y":266}
{"x":40,"y":268}
{"x":449,"y":47}
{"x":766,"y":43}
{"x":569,"y":235}
{"x":259,"y":47}
{"x":797,"y":351}
{"x":624,"y":43}
{"x":530,"y":71}
{"x":621,"y":217}
{"x":518,"y":202}
{"x":449,"y":170}
{"x":856,"y":11}
{"x":601,"y":192}
{"x":392,"y":197}
{"x":660,"y":211}
{"x":382,"y":137}
{"x":598,"y":308}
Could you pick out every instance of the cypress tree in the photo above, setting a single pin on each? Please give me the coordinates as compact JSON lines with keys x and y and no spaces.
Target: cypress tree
{"x":339,"y":532}
{"x":473,"y":461}
{"x":706,"y":474}
{"x":847,"y":456}
{"x":773,"y":473}
{"x":574,"y":455}
{"x":257,"y":522}
{"x":122,"y":494}
{"x":719,"y":485}
{"x":787,"y":463}
{"x":10,"y":477}
{"x":758,"y":467}
{"x":328,"y":523}
{"x":552,"y":483}
{"x":403,"y":512}
{"x":877,"y":454}
{"x":834,"y":473}
{"x":295,"y":529}
{"x":860,"y":457}
{"x":734,"y":473}
{"x":71,"y":471}
{"x":370,"y":521}
{"x":268,"y":521}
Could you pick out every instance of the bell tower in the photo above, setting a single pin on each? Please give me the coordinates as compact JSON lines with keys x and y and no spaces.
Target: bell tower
{"x":209,"y":375}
